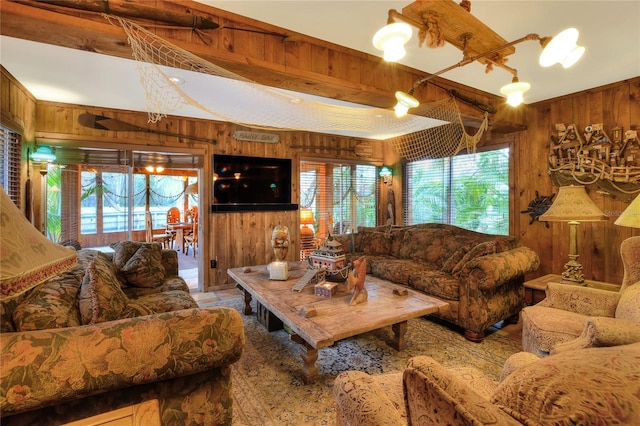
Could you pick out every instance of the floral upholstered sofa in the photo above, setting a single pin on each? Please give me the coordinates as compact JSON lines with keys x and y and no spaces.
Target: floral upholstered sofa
{"x":594,"y":386}
{"x":479,"y":275}
{"x":115,"y":330}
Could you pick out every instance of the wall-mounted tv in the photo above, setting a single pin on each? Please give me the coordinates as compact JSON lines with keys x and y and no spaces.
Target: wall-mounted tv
{"x":243,"y":183}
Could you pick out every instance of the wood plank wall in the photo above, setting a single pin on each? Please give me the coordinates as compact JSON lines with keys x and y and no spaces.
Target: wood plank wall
{"x":614,"y":105}
{"x":17,"y":112}
{"x":238,"y":239}
{"x":232,"y":239}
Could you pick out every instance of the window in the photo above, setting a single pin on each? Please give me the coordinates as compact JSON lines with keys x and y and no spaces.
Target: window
{"x":10,"y":153}
{"x":343,"y":196}
{"x":470,"y":191}
{"x":98,"y":197}
{"x":105,"y":200}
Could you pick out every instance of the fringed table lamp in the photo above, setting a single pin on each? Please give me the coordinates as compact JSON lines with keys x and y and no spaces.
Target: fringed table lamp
{"x":306,"y":234}
{"x":27,"y":258}
{"x":630,"y":248}
{"x":573,"y":205}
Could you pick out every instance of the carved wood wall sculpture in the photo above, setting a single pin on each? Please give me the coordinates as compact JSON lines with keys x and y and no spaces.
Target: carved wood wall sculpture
{"x":591,"y":156}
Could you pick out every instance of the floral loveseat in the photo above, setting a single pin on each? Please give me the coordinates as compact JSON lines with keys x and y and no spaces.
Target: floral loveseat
{"x":479,"y":275}
{"x":115,"y":330}
{"x":594,"y":386}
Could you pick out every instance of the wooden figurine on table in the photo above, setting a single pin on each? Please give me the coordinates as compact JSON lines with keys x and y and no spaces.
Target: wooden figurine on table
{"x":279,"y":270}
{"x":355,"y":281}
{"x":280,"y":241}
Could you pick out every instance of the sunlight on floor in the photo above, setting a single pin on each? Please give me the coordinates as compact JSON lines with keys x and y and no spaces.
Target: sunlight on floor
{"x":191,"y":277}
{"x":213,"y":297}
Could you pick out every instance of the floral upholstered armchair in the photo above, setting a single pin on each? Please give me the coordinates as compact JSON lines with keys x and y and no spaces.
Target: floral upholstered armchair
{"x":183,"y":359}
{"x":587,"y":386}
{"x":572,"y":317}
{"x":84,"y":333}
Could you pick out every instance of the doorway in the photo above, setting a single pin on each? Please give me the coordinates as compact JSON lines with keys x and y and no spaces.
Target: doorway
{"x":99,"y":196}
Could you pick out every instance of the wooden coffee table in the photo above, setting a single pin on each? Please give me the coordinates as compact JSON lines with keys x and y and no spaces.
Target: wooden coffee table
{"x":317,"y":322}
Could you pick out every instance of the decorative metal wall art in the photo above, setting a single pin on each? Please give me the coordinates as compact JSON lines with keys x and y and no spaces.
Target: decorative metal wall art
{"x":539,"y":206}
{"x":590,"y":156}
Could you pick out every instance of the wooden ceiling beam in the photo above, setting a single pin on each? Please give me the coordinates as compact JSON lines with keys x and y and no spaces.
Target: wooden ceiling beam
{"x":292,"y":61}
{"x":44,"y":26}
{"x":128,"y":10}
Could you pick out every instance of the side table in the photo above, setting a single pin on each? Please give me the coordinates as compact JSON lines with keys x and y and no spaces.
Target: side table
{"x":534,"y":289}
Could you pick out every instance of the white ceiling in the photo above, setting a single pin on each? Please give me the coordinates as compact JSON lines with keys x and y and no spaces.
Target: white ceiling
{"x":610,"y":31}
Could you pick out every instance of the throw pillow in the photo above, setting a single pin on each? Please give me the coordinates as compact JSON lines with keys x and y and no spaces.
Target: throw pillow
{"x":52,"y":305}
{"x":453,"y":260}
{"x":376,"y":243}
{"x":138,"y":264}
{"x":101,"y":298}
{"x":481,"y":249}
{"x":585,"y":386}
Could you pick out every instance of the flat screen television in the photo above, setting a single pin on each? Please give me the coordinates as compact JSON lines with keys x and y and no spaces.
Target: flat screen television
{"x":242,"y":183}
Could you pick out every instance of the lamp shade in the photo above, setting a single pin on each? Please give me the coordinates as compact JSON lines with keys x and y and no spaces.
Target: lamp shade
{"x":306,"y":217}
{"x":405,"y":101}
{"x":391,"y":39}
{"x":192,"y":189}
{"x":514,"y":91}
{"x":631,"y":215}
{"x":573,"y":205}
{"x":561,"y":49}
{"x":385,"y":172}
{"x":27,"y":258}
{"x":44,"y":154}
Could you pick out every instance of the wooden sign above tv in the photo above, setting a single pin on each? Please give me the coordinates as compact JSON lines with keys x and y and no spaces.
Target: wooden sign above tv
{"x":245,"y":135}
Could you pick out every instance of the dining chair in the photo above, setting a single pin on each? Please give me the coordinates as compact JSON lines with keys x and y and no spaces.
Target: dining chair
{"x":173,"y":216}
{"x":157,"y":236}
{"x":191,"y":240}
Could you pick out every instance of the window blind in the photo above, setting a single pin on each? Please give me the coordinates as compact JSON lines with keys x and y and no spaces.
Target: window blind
{"x":115,"y":157}
{"x":470,"y":191}
{"x":11,"y":151}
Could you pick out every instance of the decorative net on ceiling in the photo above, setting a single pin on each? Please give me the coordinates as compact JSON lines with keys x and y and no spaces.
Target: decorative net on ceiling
{"x":442,"y":141}
{"x":157,"y":61}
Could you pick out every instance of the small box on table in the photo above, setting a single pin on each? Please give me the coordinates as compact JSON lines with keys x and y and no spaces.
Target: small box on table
{"x":325,"y":288}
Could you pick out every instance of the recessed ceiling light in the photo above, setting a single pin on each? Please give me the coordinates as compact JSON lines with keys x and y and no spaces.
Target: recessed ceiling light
{"x":176,"y":80}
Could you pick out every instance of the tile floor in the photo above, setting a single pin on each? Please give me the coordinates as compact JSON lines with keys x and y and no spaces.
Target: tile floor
{"x":211,"y":297}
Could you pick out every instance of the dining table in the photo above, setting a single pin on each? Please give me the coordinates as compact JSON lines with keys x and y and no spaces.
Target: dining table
{"x":179,"y":228}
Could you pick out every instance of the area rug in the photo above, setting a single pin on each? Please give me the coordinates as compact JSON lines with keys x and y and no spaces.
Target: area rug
{"x":267,"y":389}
